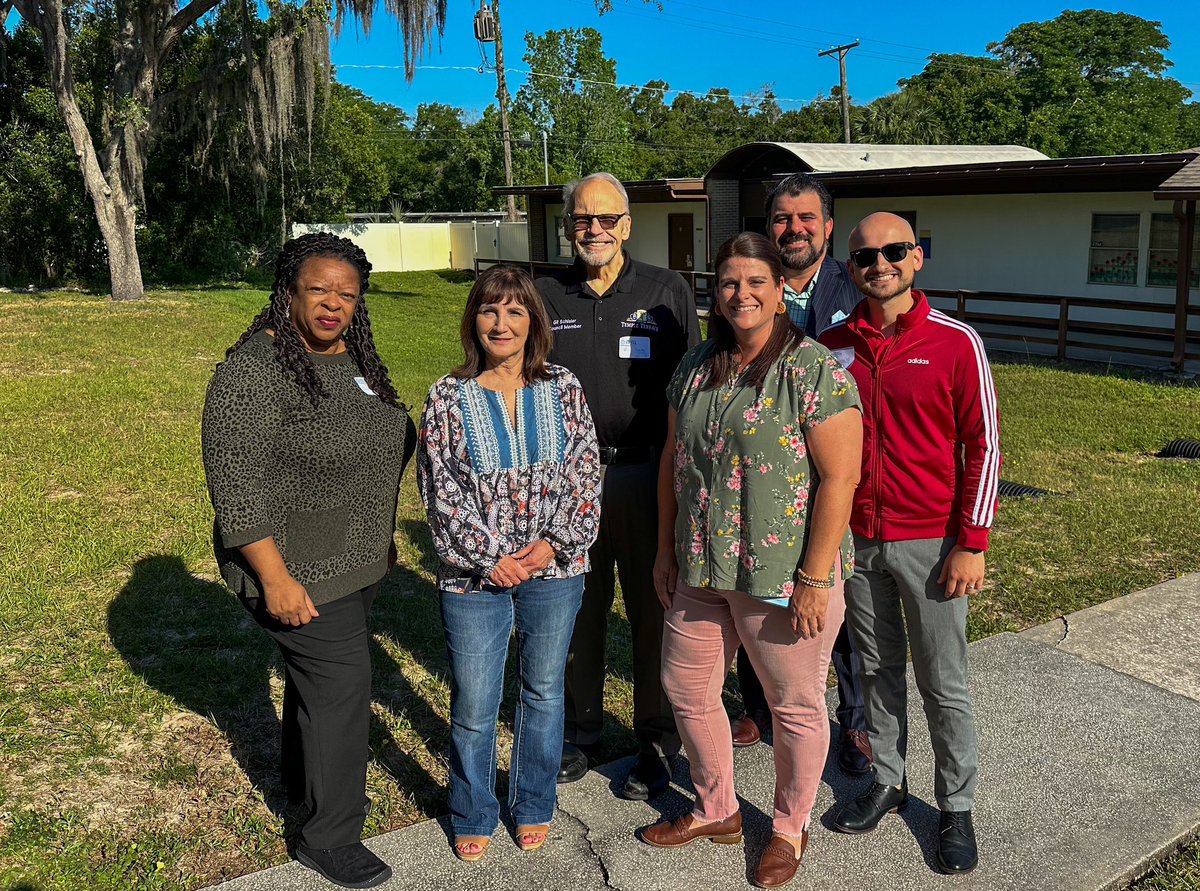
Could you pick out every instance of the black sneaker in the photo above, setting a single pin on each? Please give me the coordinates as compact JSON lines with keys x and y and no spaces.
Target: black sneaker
{"x":351,"y":866}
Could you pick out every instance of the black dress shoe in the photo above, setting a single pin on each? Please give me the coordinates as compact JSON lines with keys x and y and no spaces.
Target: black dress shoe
{"x":574,"y":764}
{"x":351,"y":866}
{"x":957,"y":852}
{"x":864,"y":813}
{"x":852,"y":758}
{"x":648,"y":779}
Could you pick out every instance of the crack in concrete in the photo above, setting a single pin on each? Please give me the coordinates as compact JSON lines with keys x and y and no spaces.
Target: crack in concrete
{"x":587,"y":837}
{"x":1066,"y":629}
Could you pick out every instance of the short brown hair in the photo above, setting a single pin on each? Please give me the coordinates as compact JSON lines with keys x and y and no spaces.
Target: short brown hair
{"x":505,"y":284}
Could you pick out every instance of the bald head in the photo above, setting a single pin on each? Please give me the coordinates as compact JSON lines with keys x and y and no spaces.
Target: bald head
{"x":884,"y":259}
{"x":879,"y":229}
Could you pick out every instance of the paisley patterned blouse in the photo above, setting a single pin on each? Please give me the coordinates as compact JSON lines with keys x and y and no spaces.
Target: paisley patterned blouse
{"x":743,"y":475}
{"x":491,"y":487}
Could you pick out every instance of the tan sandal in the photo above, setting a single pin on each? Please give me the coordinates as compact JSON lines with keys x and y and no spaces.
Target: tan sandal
{"x":463,"y":843}
{"x":537,"y":832}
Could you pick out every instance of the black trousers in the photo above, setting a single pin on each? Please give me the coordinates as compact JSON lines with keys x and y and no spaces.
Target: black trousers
{"x":628,"y":540}
{"x":846,"y":665}
{"x":326,"y":715}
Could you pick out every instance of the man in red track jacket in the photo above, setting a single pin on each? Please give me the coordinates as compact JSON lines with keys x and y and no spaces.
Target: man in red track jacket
{"x":931,"y":459}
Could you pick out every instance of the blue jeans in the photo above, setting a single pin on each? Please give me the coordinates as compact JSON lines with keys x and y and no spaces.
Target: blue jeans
{"x":478,"y":626}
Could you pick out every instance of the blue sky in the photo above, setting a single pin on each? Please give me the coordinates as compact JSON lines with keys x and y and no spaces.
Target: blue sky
{"x":696,"y":45}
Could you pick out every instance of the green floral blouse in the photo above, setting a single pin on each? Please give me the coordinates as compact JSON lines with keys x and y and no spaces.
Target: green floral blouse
{"x":743,"y":476}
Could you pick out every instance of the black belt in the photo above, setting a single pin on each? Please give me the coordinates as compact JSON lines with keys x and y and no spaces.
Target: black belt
{"x":627,"y":455}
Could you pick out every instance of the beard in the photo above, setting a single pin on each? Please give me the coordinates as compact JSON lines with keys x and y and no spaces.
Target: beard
{"x":888,"y":288}
{"x":598,"y":253}
{"x":800,"y":253}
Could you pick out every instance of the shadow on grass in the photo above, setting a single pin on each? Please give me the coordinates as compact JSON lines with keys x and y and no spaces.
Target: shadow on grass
{"x":192,"y":640}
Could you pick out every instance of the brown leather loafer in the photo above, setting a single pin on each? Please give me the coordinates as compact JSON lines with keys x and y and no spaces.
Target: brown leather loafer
{"x":779,"y":862}
{"x":685,"y":830}
{"x":745,"y":732}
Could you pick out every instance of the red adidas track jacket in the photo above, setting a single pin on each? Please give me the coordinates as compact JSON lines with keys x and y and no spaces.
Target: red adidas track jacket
{"x":931,"y":437}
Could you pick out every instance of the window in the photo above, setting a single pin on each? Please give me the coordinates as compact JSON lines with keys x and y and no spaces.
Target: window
{"x":1113,"y":259}
{"x":564,"y":244}
{"x":1164,"y":252}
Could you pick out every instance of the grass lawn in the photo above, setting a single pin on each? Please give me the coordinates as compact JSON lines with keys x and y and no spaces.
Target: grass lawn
{"x":138,"y":703}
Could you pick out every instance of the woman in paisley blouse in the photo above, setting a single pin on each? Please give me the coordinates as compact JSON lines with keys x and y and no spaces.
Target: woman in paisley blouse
{"x":755,"y":487}
{"x":509,"y":471}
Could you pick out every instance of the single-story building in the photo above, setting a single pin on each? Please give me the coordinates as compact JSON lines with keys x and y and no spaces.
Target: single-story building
{"x":1095,"y":258}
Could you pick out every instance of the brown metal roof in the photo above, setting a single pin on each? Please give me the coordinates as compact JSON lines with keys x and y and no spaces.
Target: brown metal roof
{"x":1118,"y":173}
{"x":639,"y":190}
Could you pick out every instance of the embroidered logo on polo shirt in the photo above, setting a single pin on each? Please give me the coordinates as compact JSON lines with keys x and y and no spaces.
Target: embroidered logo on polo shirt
{"x":642,"y":320}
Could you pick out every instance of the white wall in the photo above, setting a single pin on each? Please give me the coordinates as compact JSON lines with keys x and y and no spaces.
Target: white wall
{"x":1026,"y":244}
{"x":649,"y":237}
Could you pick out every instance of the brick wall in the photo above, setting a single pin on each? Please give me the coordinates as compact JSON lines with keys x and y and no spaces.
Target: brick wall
{"x":537,"y":229}
{"x":725,"y":216}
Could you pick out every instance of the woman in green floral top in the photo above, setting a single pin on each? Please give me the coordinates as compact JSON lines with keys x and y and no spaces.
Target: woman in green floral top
{"x":755,"y":487}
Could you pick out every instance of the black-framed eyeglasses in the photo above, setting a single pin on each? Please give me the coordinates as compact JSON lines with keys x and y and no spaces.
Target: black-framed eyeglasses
{"x":581,"y":222}
{"x":893,"y":253}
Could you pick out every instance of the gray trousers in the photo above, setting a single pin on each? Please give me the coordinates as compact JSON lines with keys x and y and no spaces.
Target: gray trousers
{"x":628,"y":540}
{"x":894,"y":587}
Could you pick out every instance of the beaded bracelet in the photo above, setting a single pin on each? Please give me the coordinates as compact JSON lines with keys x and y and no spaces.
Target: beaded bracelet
{"x":805,"y":579}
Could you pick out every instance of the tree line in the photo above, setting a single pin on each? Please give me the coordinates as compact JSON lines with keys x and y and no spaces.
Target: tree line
{"x":254,"y":138}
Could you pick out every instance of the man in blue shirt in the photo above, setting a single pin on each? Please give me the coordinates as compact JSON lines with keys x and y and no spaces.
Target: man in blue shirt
{"x":819,"y":292}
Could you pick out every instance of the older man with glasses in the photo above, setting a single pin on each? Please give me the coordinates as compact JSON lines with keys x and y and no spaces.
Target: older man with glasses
{"x":922,"y":513}
{"x":621,"y":326}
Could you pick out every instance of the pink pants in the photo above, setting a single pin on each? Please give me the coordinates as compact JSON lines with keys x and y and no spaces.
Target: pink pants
{"x":704,"y":627}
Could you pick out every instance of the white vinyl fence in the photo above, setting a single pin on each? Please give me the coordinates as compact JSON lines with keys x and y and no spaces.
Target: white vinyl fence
{"x":407,"y":247}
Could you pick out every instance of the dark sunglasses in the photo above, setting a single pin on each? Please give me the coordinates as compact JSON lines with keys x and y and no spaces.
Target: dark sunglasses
{"x":893,"y":253}
{"x":581,"y":222}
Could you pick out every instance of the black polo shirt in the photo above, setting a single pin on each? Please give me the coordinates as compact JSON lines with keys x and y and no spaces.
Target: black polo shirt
{"x":623,"y":345}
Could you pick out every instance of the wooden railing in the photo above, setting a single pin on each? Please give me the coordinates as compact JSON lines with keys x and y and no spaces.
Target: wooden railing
{"x":1058,"y":330}
{"x":1062,"y":332}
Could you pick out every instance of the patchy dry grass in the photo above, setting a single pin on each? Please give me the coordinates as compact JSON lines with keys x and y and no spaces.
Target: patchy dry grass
{"x":139,"y":704}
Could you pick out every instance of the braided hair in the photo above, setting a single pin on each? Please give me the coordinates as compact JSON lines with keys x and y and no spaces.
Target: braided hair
{"x":290,"y":349}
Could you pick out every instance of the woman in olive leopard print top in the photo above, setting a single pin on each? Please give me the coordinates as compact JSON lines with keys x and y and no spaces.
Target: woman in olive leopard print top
{"x":304,"y":443}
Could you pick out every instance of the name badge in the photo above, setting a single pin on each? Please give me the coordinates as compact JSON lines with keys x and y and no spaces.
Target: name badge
{"x":364,"y":386}
{"x":845,"y":356}
{"x":634,"y":347}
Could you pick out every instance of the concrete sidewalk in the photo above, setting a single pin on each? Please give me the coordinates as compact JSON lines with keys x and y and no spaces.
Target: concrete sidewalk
{"x":1088,"y":774}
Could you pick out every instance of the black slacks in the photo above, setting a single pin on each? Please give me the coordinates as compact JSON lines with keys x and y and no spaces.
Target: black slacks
{"x":628,"y":540}
{"x":326,"y":715}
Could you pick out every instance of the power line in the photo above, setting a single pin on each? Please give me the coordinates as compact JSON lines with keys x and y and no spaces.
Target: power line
{"x":750,"y":97}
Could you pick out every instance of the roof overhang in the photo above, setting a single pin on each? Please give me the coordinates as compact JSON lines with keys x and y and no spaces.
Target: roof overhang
{"x":1184,"y":185}
{"x":640,"y":191}
{"x":1119,"y":173}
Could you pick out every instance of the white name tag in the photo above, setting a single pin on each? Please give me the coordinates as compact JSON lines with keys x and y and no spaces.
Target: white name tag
{"x":845,"y":356}
{"x":634,"y":348}
{"x":364,"y":386}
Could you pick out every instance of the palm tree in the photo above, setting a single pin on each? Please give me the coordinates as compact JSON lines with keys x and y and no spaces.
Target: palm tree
{"x":898,"y":119}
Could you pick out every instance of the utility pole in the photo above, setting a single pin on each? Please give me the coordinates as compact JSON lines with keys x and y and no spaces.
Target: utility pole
{"x":502,"y":99}
{"x":841,"y":54}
